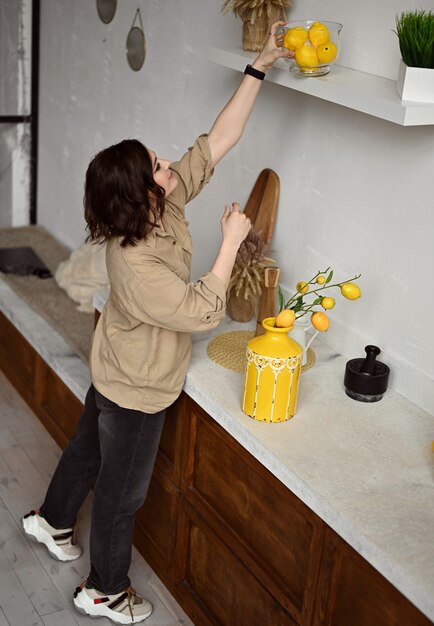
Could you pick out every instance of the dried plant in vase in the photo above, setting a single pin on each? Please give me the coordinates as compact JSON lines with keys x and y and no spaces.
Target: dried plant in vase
{"x":247,"y":277}
{"x":257,"y":17}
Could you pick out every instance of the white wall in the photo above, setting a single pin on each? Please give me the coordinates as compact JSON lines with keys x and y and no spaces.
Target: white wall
{"x":356,"y":191}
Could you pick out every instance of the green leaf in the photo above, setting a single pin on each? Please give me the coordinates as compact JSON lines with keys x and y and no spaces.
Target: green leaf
{"x":317,"y":301}
{"x":281,"y":299}
{"x":329,"y":277}
{"x":298,"y":304}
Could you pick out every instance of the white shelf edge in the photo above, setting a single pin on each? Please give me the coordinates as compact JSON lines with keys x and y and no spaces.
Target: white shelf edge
{"x":353,"y":89}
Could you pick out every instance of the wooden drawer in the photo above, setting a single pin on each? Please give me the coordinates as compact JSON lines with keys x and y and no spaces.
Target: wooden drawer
{"x":156,"y":523}
{"x":352,"y":592}
{"x":214,"y":584}
{"x":280,"y":538}
{"x":17,"y":358}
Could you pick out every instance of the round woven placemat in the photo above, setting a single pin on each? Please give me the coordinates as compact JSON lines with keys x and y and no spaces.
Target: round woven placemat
{"x":229,"y":350}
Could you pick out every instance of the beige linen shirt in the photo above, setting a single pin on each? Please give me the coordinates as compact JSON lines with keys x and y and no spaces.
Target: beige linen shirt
{"x":142,"y":343}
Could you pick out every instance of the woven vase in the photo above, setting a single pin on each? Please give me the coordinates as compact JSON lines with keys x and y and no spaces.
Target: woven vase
{"x":255,"y":35}
{"x":241,"y":309}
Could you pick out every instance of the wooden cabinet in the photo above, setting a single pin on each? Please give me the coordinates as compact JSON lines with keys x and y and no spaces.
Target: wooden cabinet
{"x":55,"y":405}
{"x":216,"y":584}
{"x":17,"y":358}
{"x":271,"y":531}
{"x":248,"y":552}
{"x":156,"y":521}
{"x":231,"y":543}
{"x":352,"y":593}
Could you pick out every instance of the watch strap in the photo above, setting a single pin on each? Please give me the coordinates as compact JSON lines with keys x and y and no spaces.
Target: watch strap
{"x":251,"y":71}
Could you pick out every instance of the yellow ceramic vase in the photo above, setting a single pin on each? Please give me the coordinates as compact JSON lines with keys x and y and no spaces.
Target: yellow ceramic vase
{"x":272,"y":374}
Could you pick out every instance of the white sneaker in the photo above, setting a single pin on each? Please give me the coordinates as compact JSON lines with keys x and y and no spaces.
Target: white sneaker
{"x":59,"y":542}
{"x":121,"y":608}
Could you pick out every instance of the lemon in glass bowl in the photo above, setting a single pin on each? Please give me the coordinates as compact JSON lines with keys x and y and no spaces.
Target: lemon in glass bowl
{"x":315,"y":45}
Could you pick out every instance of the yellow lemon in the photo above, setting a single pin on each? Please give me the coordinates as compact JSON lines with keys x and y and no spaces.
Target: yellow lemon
{"x":285,"y":319}
{"x":318,"y":34}
{"x":351,"y":291}
{"x":306,"y":56}
{"x":320,"y":279}
{"x":328,"y":303}
{"x":320,"y":321}
{"x":327,"y":52}
{"x":295,"y":37}
{"x":302,"y":287}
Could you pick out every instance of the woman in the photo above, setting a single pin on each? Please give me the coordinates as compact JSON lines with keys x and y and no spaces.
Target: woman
{"x":141,"y":347}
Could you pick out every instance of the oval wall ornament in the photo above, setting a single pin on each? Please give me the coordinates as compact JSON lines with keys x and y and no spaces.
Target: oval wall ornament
{"x":136,"y":48}
{"x":136,"y":45}
{"x":106,"y":10}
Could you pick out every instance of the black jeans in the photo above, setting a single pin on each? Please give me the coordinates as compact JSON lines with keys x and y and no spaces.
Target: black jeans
{"x":113,"y":451}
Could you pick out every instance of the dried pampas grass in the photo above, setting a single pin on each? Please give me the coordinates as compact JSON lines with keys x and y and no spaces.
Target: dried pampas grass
{"x":253,"y":10}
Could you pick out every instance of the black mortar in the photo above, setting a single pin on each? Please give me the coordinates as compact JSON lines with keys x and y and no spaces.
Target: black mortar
{"x":366,"y":379}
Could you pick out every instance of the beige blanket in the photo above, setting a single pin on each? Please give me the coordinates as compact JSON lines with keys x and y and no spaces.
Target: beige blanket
{"x":82,"y":274}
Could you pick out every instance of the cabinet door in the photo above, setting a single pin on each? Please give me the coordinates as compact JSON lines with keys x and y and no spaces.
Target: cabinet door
{"x":270,"y":529}
{"x":156,"y":520}
{"x":213,"y":584}
{"x":352,"y":593}
{"x":171,"y":447}
{"x":17,"y":358}
{"x":62,"y":407}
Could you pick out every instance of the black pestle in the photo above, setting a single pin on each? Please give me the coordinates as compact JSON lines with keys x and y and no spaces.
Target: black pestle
{"x":366,"y":379}
{"x":368,"y":366}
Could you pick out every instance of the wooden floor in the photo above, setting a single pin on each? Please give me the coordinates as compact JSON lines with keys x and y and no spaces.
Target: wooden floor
{"x":36,"y":590}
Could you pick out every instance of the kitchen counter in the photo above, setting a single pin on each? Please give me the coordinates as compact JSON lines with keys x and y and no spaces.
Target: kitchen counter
{"x":366,"y":469}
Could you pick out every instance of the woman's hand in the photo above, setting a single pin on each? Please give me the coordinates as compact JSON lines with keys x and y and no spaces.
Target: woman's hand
{"x":235,"y":225}
{"x":272,"y":50}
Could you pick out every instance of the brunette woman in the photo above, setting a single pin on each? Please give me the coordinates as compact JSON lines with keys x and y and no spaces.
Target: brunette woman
{"x":134,"y":200}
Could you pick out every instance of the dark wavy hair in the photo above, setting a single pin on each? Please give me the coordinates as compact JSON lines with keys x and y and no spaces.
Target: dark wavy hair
{"x":121,"y":198}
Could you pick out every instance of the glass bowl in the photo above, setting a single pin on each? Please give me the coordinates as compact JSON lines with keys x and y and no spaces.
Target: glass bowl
{"x":316,"y":45}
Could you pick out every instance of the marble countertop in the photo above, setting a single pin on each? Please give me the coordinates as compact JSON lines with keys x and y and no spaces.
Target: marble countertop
{"x":367,"y":469}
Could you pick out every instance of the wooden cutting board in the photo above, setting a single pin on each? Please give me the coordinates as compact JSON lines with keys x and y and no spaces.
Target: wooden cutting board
{"x":262,"y":204}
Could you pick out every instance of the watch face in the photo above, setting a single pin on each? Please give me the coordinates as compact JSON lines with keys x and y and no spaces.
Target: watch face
{"x":106,"y":10}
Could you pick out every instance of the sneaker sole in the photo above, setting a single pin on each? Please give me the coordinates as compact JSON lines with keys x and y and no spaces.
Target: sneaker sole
{"x":38,"y":535}
{"x":85,"y":606}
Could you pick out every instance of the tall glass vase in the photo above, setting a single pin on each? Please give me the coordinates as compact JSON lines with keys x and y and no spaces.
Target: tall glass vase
{"x":272,"y":375}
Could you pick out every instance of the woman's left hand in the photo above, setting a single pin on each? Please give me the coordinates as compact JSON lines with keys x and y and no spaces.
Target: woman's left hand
{"x":272,"y":50}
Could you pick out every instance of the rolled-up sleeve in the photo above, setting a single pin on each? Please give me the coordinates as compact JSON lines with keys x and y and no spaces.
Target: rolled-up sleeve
{"x":194,"y":171}
{"x":163,"y":299}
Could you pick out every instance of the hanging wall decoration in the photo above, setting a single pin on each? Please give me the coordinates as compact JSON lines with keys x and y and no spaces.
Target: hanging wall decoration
{"x":136,"y":45}
{"x":106,"y":10}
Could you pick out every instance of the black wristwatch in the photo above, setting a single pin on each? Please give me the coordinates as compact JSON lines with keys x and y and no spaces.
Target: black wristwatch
{"x":254,"y":72}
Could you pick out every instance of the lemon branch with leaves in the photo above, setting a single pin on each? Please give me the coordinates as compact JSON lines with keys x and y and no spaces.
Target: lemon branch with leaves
{"x":321,"y":281}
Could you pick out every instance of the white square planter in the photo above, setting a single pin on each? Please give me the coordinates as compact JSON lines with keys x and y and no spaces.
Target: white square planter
{"x":415,"y":83}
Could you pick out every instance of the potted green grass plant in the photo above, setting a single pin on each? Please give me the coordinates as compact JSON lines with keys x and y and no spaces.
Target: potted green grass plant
{"x":415,"y":30}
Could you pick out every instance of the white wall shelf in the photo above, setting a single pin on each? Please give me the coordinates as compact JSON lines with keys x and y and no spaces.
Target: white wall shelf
{"x":356,"y":90}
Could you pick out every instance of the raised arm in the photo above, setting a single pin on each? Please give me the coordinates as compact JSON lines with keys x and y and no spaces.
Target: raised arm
{"x":230,"y":123}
